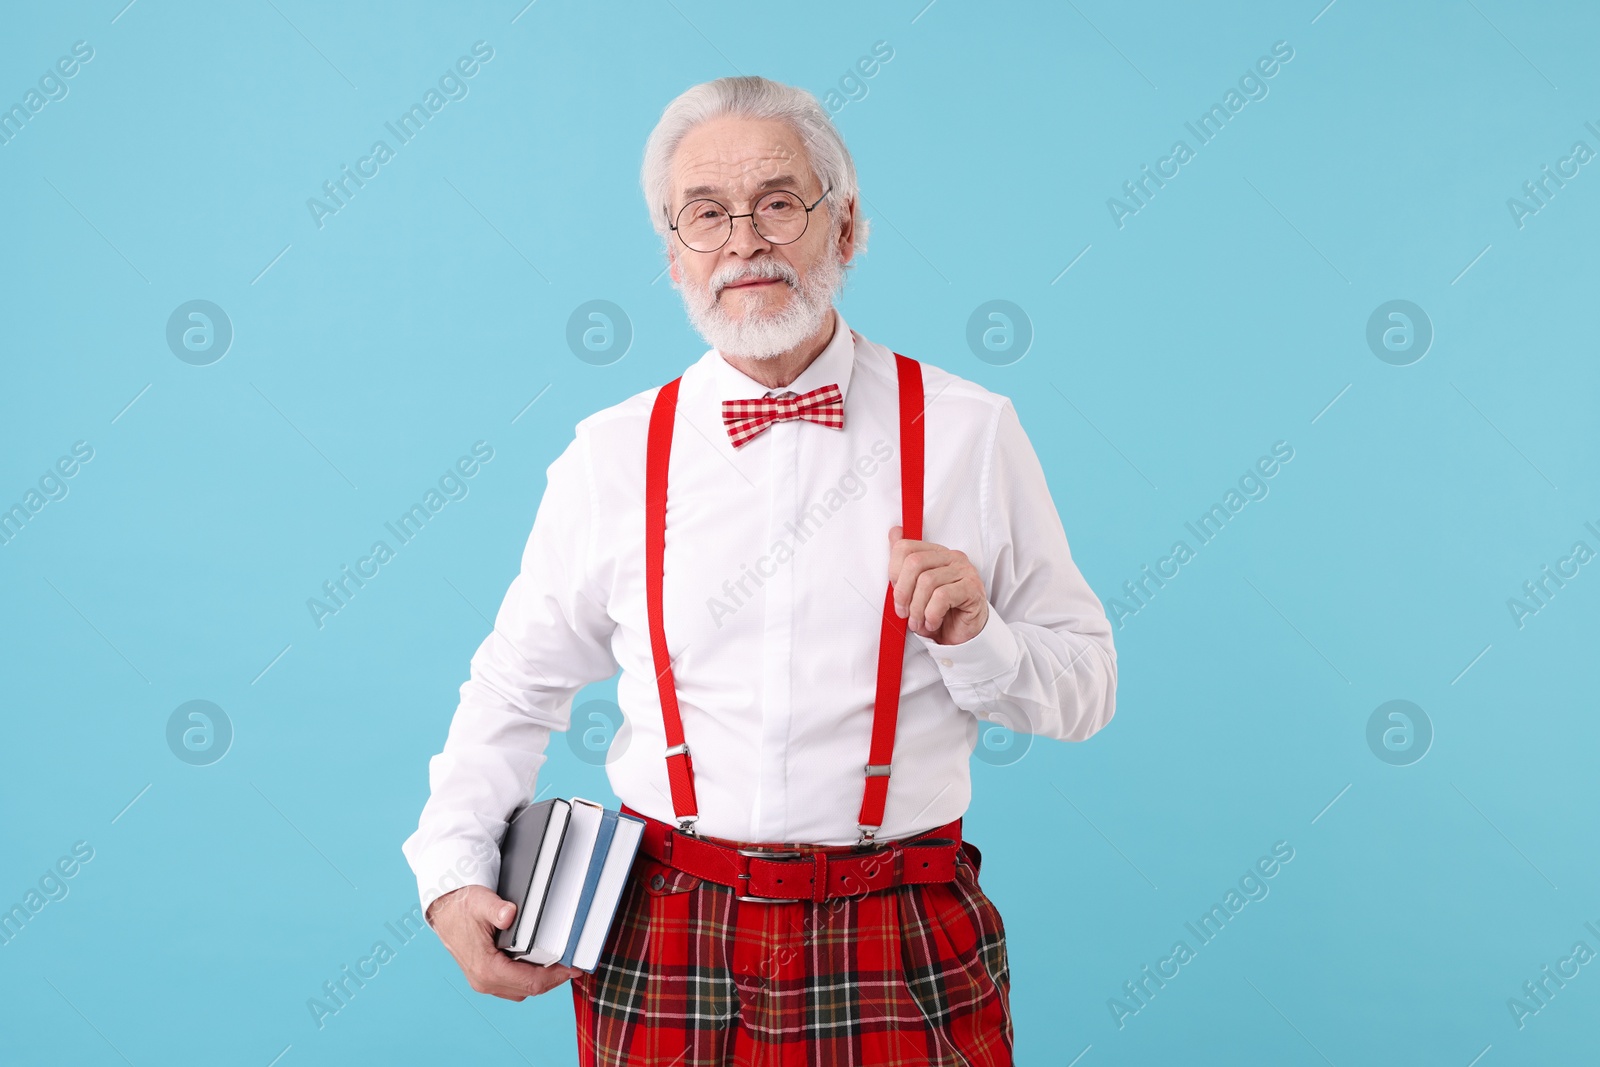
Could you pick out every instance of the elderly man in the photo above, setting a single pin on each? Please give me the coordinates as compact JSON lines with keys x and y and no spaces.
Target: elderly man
{"x":752,"y":543}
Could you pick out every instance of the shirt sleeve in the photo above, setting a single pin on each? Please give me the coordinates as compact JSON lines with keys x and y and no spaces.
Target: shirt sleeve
{"x":550,"y":638}
{"x":1044,"y":662}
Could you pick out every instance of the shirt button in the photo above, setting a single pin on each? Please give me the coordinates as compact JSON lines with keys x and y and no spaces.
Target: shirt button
{"x":945,"y":662}
{"x":658,"y":881}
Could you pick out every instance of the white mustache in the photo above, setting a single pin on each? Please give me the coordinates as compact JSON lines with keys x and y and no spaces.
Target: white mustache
{"x":765,"y":269}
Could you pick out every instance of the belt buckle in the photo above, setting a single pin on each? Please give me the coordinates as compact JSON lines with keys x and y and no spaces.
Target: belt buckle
{"x":767,"y":854}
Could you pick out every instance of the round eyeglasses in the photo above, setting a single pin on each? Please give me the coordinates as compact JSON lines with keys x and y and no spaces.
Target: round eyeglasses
{"x":779,"y":217}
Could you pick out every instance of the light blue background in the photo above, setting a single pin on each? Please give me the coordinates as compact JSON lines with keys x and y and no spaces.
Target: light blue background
{"x":1228,"y":314}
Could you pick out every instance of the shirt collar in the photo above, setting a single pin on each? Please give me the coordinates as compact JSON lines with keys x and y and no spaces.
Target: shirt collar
{"x":834,"y":364}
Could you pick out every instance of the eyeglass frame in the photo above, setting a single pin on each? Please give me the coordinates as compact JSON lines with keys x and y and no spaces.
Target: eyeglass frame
{"x":673,"y":225}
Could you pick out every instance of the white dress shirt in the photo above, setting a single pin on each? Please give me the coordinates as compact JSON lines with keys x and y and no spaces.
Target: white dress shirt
{"x":775,"y":569}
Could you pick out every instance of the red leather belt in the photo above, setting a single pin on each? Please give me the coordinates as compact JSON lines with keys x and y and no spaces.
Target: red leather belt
{"x":821,"y":872}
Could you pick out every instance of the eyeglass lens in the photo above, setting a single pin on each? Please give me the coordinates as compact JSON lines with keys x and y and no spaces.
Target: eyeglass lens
{"x":779,"y":216}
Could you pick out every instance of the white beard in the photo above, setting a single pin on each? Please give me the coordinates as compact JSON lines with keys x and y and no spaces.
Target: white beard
{"x":765,"y":335}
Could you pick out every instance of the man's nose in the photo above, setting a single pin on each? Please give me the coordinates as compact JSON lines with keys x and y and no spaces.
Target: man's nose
{"x":746,"y":241}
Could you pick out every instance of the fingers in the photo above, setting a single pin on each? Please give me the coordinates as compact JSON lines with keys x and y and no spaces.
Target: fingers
{"x":931,"y":597}
{"x":929,"y":581}
{"x":509,"y":979}
{"x":912,"y":567}
{"x":970,"y":608}
{"x":491,"y":909}
{"x":479,"y":906}
{"x":473,"y":904}
{"x":903,"y":571}
{"x":899,"y":546}
{"x":469,"y":934}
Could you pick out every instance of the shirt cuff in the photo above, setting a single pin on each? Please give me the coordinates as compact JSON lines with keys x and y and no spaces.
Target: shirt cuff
{"x":450,"y":865}
{"x":981,"y":665}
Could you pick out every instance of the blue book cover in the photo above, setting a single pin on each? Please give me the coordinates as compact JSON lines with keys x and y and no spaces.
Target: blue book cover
{"x":597,"y":860}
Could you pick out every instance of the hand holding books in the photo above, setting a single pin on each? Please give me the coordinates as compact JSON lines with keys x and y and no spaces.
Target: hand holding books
{"x":467,"y":920}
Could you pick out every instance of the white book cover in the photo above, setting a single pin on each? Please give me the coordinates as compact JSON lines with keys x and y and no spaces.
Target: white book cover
{"x":543,"y":870}
{"x":566,"y":883}
{"x":607,"y":892}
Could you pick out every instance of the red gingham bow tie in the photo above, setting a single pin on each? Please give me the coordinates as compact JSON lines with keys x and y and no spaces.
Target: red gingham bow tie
{"x":744,"y":419}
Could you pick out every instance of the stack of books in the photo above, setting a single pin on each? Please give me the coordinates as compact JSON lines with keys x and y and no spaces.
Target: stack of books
{"x":564,"y":864}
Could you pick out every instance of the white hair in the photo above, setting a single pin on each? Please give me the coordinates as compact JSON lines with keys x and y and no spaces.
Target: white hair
{"x":753,"y":98}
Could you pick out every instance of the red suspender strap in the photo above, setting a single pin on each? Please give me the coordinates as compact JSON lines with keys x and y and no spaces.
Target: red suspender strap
{"x":680,"y":771}
{"x":892,"y":637}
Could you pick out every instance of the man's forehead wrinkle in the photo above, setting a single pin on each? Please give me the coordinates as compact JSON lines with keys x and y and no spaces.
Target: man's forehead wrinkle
{"x":717,"y":163}
{"x":741,"y":167}
{"x":739,"y":189}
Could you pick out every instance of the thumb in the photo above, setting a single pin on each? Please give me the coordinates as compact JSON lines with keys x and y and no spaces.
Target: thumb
{"x":499,"y":912}
{"x":895,"y":532}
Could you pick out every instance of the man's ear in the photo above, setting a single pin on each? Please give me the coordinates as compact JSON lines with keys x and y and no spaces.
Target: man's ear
{"x":847,"y":235}
{"x":674,"y":268}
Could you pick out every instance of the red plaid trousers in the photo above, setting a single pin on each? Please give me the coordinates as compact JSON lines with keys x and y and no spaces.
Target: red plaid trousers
{"x":692,"y":977}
